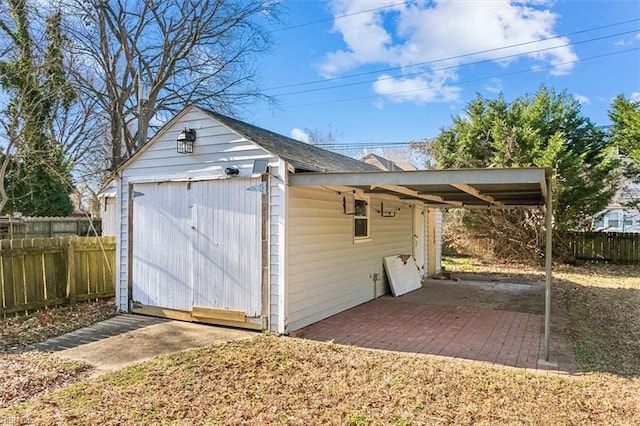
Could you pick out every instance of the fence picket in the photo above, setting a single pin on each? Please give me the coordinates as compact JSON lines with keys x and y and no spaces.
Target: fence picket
{"x":33,"y":283}
{"x":17,"y":266}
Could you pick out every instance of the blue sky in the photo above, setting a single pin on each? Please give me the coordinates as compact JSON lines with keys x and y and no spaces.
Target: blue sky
{"x":381,"y":72}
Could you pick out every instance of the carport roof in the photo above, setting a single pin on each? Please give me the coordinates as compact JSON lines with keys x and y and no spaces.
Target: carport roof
{"x":467,"y":188}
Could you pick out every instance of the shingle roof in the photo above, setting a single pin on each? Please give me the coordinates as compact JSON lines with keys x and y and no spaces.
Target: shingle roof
{"x":302,"y":156}
{"x":386,"y":164}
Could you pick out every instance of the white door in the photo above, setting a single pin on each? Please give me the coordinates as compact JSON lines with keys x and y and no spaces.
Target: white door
{"x":227,"y":249}
{"x":162,"y":245}
{"x":198,"y":244}
{"x":419,"y":237}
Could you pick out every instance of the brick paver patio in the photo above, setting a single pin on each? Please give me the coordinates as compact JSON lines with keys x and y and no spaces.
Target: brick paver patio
{"x":496,"y":337}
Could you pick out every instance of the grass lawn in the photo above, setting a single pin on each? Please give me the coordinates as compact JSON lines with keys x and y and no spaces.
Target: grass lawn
{"x":281,"y":380}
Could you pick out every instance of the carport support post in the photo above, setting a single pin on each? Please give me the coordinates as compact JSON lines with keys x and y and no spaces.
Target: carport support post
{"x":547,"y":261}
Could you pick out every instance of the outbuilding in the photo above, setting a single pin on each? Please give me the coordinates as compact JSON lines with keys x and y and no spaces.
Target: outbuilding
{"x":224,"y":222}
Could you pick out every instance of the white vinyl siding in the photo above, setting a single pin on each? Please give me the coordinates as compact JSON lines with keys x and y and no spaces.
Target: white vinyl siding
{"x":108,"y":212}
{"x":122,"y":246}
{"x":327,"y":272}
{"x":277,"y":247}
{"x":216,"y":147}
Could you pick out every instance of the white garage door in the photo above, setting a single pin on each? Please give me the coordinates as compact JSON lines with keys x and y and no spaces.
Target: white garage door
{"x":198,"y":244}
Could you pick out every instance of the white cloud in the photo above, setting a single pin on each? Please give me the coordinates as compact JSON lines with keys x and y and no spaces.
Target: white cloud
{"x":630,"y":41}
{"x":420,"y":90}
{"x":300,"y":135}
{"x":425,"y":37}
{"x":635,"y":97}
{"x":364,"y":34}
{"x":378,"y":104}
{"x":582,"y":99}
{"x":494,"y":86}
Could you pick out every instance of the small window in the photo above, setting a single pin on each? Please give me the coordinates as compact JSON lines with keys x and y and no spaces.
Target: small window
{"x":360,"y":218}
{"x":627,"y":221}
{"x":613,"y":220}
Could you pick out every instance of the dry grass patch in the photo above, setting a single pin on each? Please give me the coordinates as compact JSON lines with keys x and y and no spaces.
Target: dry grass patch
{"x":285,"y":381}
{"x":32,"y":373}
{"x":19,"y":331}
{"x":26,"y":374}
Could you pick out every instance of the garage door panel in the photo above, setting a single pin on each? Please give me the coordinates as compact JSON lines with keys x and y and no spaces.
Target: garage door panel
{"x":161,"y":246}
{"x":227,"y":250}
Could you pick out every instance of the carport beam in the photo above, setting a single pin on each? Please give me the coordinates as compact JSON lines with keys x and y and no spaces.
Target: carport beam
{"x":547,"y":261}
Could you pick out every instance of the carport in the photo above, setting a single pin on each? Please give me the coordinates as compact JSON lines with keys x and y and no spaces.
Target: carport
{"x":522,"y":188}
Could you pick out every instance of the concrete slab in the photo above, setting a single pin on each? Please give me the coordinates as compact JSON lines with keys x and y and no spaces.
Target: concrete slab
{"x":120,"y":343}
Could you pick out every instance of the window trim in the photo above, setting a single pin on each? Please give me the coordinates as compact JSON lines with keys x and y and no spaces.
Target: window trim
{"x":367,"y":217}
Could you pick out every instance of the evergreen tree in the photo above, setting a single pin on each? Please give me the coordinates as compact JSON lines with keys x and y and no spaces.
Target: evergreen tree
{"x":38,"y":178}
{"x":545,"y":130}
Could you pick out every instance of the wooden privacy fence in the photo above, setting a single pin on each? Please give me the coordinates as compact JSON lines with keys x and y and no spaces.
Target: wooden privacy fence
{"x":51,"y":271}
{"x":12,"y":228}
{"x":613,"y":247}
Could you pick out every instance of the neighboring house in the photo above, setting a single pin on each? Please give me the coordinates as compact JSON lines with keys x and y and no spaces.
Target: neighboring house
{"x":386,"y":164}
{"x":246,"y":227}
{"x":618,"y":219}
{"x":619,"y":216}
{"x":108,"y":209}
{"x":392,"y":166}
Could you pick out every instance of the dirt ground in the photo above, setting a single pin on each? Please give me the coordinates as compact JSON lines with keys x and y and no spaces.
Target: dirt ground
{"x":501,"y":293}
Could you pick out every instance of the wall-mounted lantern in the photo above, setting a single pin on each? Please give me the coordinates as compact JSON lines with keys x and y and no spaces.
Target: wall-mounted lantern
{"x":232,"y":171}
{"x":185,"y":141}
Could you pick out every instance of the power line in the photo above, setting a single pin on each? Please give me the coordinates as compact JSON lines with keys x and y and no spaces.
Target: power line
{"x":388,"y":144}
{"x":321,"y":21}
{"x":451,"y":57}
{"x":348,"y":145}
{"x":533,"y":69}
{"x":483,"y":61}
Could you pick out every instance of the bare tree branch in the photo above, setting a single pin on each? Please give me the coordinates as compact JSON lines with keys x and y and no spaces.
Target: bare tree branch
{"x":185,"y":51}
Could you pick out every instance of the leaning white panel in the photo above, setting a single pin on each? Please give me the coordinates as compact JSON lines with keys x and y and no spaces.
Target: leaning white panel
{"x":403,"y":274}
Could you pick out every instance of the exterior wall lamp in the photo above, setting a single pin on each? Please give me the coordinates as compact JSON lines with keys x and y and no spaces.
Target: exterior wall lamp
{"x":232,"y":171}
{"x":185,"y":141}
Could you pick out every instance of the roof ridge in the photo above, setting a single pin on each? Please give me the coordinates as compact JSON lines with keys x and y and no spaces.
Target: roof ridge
{"x":303,"y":156}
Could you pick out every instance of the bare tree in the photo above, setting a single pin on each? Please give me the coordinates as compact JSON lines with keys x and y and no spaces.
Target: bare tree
{"x":325,"y":140}
{"x":183,"y":51}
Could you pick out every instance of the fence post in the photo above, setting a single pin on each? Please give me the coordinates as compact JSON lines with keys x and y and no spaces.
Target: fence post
{"x":71,"y":271}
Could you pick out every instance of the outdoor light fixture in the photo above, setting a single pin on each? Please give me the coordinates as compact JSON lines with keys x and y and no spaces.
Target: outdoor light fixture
{"x":185,"y":141}
{"x":232,"y":171}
